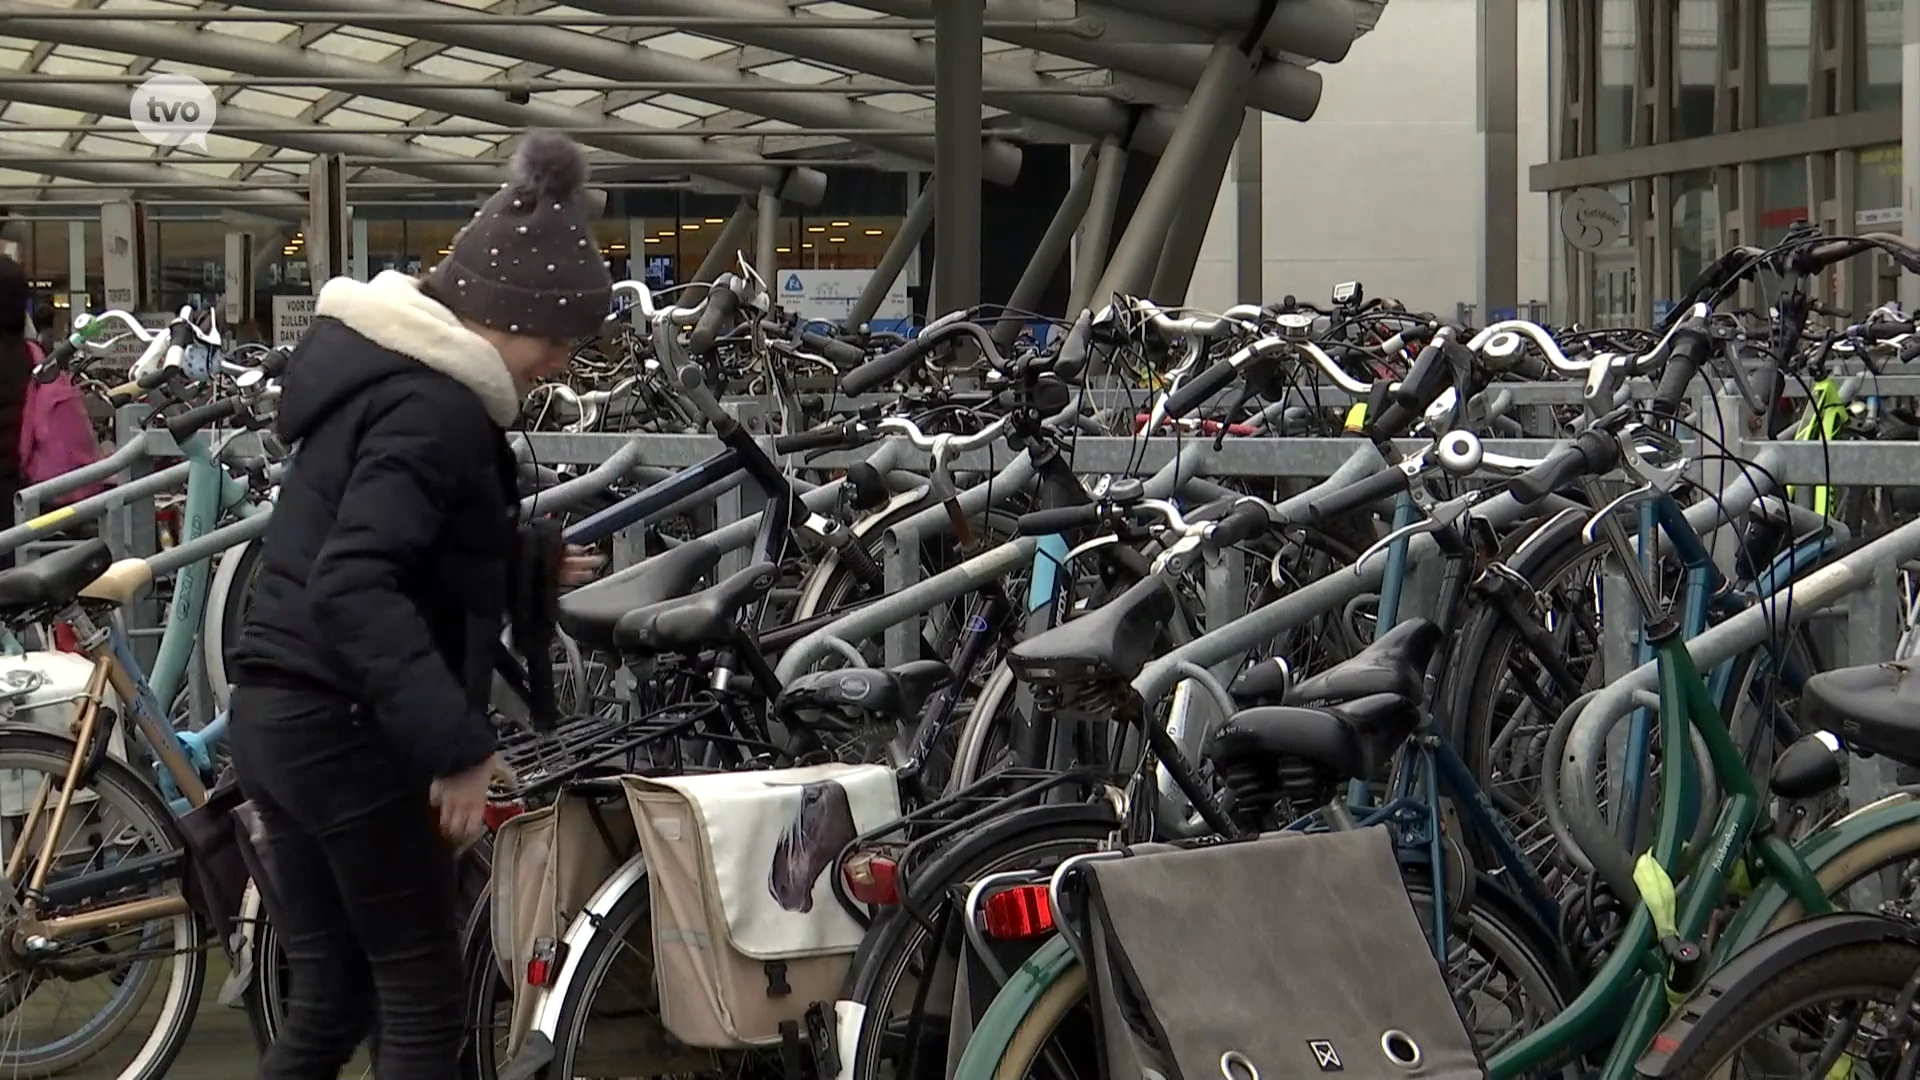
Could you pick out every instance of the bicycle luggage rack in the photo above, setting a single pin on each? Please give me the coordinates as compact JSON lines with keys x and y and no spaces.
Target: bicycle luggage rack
{"x":542,"y":762}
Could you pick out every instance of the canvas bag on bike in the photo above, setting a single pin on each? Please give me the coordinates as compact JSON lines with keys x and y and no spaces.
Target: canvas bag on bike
{"x":546,"y":865}
{"x":747,"y":930}
{"x":1309,"y":960}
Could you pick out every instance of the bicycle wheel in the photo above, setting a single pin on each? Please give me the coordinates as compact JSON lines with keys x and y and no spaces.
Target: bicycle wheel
{"x":114,"y":821}
{"x":1490,"y":957}
{"x":609,"y":1023}
{"x":228,"y":597}
{"x":893,"y":959}
{"x":1782,"y":1026}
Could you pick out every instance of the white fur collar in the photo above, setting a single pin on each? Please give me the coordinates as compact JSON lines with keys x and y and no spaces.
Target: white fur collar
{"x":391,"y":312}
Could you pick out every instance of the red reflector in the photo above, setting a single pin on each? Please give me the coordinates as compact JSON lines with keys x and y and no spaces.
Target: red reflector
{"x":64,"y":639}
{"x":1019,"y":913}
{"x":497,"y":814}
{"x":872,"y":879}
{"x":544,"y":966}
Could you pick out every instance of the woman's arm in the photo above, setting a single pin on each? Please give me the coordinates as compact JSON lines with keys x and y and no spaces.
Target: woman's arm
{"x":409,"y":465}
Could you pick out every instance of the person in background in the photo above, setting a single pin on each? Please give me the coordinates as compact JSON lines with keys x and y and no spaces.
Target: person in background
{"x":360,"y":729}
{"x":16,"y":367}
{"x":46,"y":322}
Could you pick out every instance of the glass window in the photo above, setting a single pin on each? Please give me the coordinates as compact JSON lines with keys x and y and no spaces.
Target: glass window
{"x":1616,"y":83}
{"x":1783,"y":198}
{"x":192,"y":257}
{"x":1788,"y":33}
{"x":1696,"y":226}
{"x":1877,"y":77}
{"x":1876,"y":190}
{"x":1696,"y":66}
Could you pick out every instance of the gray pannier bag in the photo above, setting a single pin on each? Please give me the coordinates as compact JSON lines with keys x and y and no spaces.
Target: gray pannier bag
{"x":1281,"y":958}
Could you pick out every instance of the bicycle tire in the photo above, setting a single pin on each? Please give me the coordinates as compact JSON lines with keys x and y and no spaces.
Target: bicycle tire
{"x":174,"y":1020}
{"x":1880,"y":968}
{"x":228,"y":596}
{"x":878,"y":969}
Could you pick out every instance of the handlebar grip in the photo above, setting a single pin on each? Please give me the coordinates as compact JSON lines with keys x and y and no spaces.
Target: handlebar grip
{"x":885,"y":367}
{"x":1247,"y":520}
{"x":1683,"y":364}
{"x":1365,"y":492}
{"x":1189,"y":394}
{"x":825,"y":438}
{"x":55,"y":363}
{"x":275,"y":362}
{"x":1591,"y":453}
{"x":183,"y":426}
{"x":1391,"y":422}
{"x":1419,"y":387}
{"x":159,"y":377}
{"x":1060,"y":519}
{"x":720,"y":309}
{"x":1909,"y":349}
{"x":1881,"y":331}
{"x":840,"y":352}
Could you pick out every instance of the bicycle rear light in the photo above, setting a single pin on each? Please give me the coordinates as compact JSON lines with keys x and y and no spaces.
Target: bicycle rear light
{"x":497,"y":814}
{"x":872,"y":879}
{"x":1018,"y":914}
{"x":543,"y":967}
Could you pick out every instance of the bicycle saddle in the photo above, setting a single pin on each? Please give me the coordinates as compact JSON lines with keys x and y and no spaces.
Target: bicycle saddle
{"x":1873,"y":707}
{"x":844,"y":698}
{"x":1114,"y":640}
{"x":55,"y":578}
{"x":1352,"y":740}
{"x":589,"y":614}
{"x":1396,"y":663}
{"x":704,"y":620}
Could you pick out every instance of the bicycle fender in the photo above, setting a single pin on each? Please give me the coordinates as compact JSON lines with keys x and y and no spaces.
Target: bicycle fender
{"x":1757,"y":911}
{"x":537,"y":1048}
{"x":1756,"y":966}
{"x":240,"y":947}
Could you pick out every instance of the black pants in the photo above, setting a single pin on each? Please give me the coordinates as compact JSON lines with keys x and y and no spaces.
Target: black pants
{"x":367,"y":888}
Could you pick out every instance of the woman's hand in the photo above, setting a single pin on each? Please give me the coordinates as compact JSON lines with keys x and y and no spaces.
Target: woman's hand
{"x":579,"y":566}
{"x":461,"y":798}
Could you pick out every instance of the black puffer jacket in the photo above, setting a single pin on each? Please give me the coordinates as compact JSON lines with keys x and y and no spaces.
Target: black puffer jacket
{"x":386,"y":567}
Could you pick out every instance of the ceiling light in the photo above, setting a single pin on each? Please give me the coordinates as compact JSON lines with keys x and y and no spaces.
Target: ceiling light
{"x":653,"y":239}
{"x":716,"y":221}
{"x":616,"y":247}
{"x":876,"y":232}
{"x":807,"y":246}
{"x":816,"y":228}
{"x":691,"y":226}
{"x":840,"y":224}
{"x":783,"y":251}
{"x":836,"y":239}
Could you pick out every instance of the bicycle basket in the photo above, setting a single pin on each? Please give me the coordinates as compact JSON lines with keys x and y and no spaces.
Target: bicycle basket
{"x":1309,"y":960}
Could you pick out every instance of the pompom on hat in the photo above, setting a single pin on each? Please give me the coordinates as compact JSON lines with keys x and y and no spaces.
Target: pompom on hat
{"x":528,"y":262}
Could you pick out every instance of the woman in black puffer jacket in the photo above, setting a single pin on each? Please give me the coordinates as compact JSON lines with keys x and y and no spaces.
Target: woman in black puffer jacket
{"x":359,"y":724}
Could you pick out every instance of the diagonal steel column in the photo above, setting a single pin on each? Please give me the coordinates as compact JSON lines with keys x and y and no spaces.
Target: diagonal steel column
{"x":275,"y":204}
{"x":896,"y":55}
{"x":261,"y":58}
{"x":1096,"y":233}
{"x":905,"y":243}
{"x":725,"y":246}
{"x":1316,"y":29}
{"x":957,"y":51}
{"x":610,"y":59}
{"x":1217,"y":102}
{"x":1048,"y":252}
{"x":1174,"y":272}
{"x":1279,"y":87}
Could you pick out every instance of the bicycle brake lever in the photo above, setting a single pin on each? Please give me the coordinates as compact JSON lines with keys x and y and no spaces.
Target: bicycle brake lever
{"x":1589,"y":532}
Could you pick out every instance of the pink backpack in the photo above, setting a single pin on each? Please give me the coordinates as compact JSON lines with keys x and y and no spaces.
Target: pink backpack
{"x":56,"y":435}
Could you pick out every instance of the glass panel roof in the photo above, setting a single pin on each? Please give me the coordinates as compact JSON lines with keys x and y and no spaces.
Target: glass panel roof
{"x":84,"y":69}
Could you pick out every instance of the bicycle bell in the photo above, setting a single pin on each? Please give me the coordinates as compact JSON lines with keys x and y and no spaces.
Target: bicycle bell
{"x":1459,"y":452}
{"x":1295,"y":325}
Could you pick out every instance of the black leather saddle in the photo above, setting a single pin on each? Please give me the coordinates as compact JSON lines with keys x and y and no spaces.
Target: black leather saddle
{"x":1114,"y":640}
{"x":55,"y":578}
{"x":1396,"y":663}
{"x":589,"y":614}
{"x":704,"y":620}
{"x":1873,"y":707}
{"x":1353,"y":740}
{"x":845,"y":698}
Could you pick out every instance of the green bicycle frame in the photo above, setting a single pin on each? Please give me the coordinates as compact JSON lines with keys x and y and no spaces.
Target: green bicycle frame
{"x":211,"y":493}
{"x":1636,"y":971}
{"x":1828,"y":412}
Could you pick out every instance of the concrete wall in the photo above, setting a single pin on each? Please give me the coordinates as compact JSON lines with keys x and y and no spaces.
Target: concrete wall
{"x":1382,"y":184}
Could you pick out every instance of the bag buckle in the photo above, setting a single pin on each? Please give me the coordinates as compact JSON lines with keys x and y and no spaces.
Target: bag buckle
{"x":777,"y":985}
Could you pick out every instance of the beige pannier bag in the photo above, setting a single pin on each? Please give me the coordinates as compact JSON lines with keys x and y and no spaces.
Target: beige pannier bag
{"x":547,"y":863}
{"x":747,"y":931}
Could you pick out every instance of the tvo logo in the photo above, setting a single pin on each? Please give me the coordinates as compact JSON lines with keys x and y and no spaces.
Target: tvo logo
{"x":173,"y":110}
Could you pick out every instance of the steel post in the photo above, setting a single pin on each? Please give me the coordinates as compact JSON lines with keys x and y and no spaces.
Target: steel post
{"x":1047,"y":254}
{"x":957,"y":53}
{"x":1318,"y":29}
{"x":1096,"y":231}
{"x":1910,"y":144}
{"x":1249,"y":221}
{"x":725,"y":246}
{"x":1181,"y":251}
{"x":894,"y":259}
{"x":766,"y":235}
{"x":1498,"y":36}
{"x":1216,"y":102}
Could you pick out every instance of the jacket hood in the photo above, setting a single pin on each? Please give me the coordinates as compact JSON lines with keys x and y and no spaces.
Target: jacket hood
{"x":409,"y":328}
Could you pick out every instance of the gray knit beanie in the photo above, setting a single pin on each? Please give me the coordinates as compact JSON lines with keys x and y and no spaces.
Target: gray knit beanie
{"x":528,"y":262}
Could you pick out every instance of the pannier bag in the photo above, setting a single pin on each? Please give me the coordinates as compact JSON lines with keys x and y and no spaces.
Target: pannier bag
{"x":1309,"y":960}
{"x":547,"y":863}
{"x":747,"y":930}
